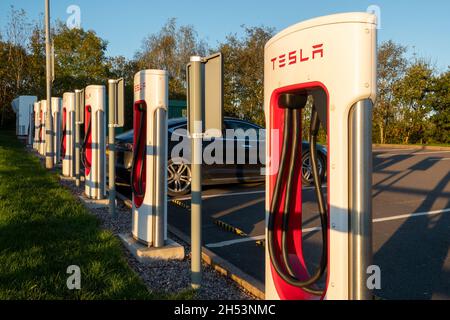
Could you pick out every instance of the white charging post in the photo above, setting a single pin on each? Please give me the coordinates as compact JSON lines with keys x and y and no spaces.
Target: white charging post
{"x":331,"y":60}
{"x":43,"y":131}
{"x":56,"y":118}
{"x":68,"y":135}
{"x":37,"y":125}
{"x":148,"y":240}
{"x":149,"y":172}
{"x":94,"y":144}
{"x":116,"y":103}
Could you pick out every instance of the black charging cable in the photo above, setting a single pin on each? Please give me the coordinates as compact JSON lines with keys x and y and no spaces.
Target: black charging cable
{"x":85,"y":141}
{"x":139,"y":192}
{"x":288,"y":167}
{"x":64,"y":129}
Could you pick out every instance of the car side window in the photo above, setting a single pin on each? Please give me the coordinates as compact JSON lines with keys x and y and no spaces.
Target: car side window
{"x":235,"y":125}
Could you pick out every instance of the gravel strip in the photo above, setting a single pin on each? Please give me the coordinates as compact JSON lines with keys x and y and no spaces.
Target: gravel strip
{"x":166,"y":276}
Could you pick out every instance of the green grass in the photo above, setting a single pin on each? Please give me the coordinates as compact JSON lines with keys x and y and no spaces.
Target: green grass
{"x":43,"y":230}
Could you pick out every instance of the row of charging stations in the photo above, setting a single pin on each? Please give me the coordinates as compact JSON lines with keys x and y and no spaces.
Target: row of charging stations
{"x":149,"y":175}
{"x":330,"y":61}
{"x":93,"y":148}
{"x":39,"y":114}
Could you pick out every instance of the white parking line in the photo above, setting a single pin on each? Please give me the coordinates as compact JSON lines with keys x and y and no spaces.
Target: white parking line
{"x":219,"y":195}
{"x":209,"y":196}
{"x":308,"y":230}
{"x":391,"y":150}
{"x":412,"y":215}
{"x":248,"y":239}
{"x":409,"y":154}
{"x":231,"y":242}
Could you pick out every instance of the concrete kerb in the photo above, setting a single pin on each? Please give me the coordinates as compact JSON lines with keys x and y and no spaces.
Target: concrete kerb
{"x":227,"y":269}
{"x":93,"y":204}
{"x":144,"y":254}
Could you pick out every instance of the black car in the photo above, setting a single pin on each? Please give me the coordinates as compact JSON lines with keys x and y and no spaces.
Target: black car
{"x":179,"y":172}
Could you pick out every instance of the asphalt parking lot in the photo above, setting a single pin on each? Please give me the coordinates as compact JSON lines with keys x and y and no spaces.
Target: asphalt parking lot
{"x":411,"y":211}
{"x":411,"y":230}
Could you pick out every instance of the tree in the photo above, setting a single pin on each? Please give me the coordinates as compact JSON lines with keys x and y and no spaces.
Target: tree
{"x":244,"y":73}
{"x":412,"y":93}
{"x":80,"y":59}
{"x":13,"y":62}
{"x":36,"y":61}
{"x":170,"y":49}
{"x":440,"y":104}
{"x":391,"y":67}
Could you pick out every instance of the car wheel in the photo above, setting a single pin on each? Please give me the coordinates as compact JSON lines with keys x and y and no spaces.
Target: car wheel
{"x":178,"y":178}
{"x":307,"y":173}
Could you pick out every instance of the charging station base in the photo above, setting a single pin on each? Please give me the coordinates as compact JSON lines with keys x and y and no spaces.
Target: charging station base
{"x":171,"y":251}
{"x":93,"y":203}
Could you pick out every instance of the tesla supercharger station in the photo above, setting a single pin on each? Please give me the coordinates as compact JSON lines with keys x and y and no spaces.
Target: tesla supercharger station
{"x":68,"y":134}
{"x":149,"y":170}
{"x":330,"y":62}
{"x":37,"y":125}
{"x":94,"y":144}
{"x":42,"y":131}
{"x":56,"y":118}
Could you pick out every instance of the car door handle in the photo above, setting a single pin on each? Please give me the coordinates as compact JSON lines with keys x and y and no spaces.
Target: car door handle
{"x":247,"y":146}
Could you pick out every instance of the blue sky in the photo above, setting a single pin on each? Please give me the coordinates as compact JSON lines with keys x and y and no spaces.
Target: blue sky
{"x":424,"y":26}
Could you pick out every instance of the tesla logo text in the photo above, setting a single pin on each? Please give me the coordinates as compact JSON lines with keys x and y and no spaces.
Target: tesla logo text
{"x":139,"y":87}
{"x":297,"y":56}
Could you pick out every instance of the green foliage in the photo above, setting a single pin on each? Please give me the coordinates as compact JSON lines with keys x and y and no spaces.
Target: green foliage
{"x":80,"y":59}
{"x":412,"y":102}
{"x":14,"y":73}
{"x":244,"y":73}
{"x":391,"y":68}
{"x":170,"y":49}
{"x":440,"y":104}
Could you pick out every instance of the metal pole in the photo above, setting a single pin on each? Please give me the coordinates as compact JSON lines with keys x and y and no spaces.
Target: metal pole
{"x":196,"y":124}
{"x":48,"y":119}
{"x":112,"y":95}
{"x":77,"y":135}
{"x":360,"y":200}
{"x":161,"y":177}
